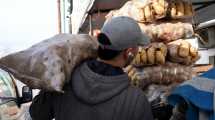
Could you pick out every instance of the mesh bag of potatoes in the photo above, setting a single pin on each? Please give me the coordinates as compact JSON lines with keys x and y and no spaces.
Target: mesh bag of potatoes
{"x":180,"y":9}
{"x":166,"y":74}
{"x":161,"y":92}
{"x":182,"y":52}
{"x":155,"y":53}
{"x":49,"y":64}
{"x":142,"y":11}
{"x":152,"y":10}
{"x":167,"y":32}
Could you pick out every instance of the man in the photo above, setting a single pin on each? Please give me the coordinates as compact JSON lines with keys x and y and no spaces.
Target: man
{"x":99,"y":88}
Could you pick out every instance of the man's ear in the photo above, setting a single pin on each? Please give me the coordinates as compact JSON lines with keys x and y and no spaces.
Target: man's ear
{"x":128,"y":53}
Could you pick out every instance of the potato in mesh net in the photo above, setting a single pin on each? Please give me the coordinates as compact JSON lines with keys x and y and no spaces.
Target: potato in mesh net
{"x":142,"y":11}
{"x":161,"y":31}
{"x":155,"y":53}
{"x":181,"y":9}
{"x":160,"y":74}
{"x":181,"y":51}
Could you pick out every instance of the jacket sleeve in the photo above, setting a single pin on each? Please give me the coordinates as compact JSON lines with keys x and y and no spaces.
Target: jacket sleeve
{"x":41,"y":107}
{"x":143,"y":109}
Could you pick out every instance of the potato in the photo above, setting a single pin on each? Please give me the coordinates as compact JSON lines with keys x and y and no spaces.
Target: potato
{"x":188,"y":9}
{"x":148,"y":13}
{"x":151,"y":55}
{"x":180,"y":8}
{"x":143,"y":56}
{"x":173,"y":10}
{"x":193,"y":52}
{"x":138,"y":59}
{"x":184,"y":49}
{"x":160,"y":58}
{"x":159,"y":9}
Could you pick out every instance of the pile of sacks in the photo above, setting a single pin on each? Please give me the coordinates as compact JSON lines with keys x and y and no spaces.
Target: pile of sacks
{"x":167,"y":61}
{"x":168,"y":23}
{"x":153,"y":10}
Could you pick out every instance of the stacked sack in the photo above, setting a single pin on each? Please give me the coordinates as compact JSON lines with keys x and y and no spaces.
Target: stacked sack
{"x":150,"y":11}
{"x":168,"y":25}
{"x":168,"y":59}
{"x":155,"y":53}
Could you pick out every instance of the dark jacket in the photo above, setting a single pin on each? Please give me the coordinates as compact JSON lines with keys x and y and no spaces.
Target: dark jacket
{"x":97,"y":91}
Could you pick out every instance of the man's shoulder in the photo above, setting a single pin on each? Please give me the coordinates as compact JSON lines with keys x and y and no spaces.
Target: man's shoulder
{"x":84,"y":64}
{"x":79,"y":67}
{"x":81,"y":64}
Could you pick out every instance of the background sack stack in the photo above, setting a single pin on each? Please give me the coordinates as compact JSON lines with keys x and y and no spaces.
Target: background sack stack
{"x":165,"y":74}
{"x":148,"y":11}
{"x":168,"y":23}
{"x":168,"y":60}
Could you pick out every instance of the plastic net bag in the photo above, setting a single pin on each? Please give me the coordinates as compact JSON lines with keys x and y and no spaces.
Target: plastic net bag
{"x":155,"y":53}
{"x":161,"y":74}
{"x":167,"y":31}
{"x":157,"y":82}
{"x":154,"y":91}
{"x":148,"y":11}
{"x":142,"y":11}
{"x":181,"y":51}
{"x":157,"y":96}
{"x":49,"y":64}
{"x":180,"y":9}
{"x":130,"y":10}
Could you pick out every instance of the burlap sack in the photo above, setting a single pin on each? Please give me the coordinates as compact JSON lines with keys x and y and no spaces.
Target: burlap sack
{"x":49,"y":64}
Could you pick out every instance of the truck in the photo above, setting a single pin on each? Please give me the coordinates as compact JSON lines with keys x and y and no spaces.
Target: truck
{"x":11,"y":102}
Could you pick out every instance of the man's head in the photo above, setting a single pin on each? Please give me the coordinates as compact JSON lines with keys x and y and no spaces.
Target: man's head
{"x":119,"y":40}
